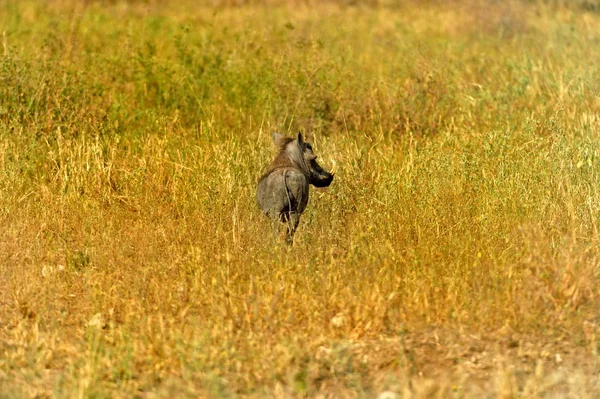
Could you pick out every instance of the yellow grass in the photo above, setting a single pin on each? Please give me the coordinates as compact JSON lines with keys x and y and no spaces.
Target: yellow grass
{"x":455,"y":254}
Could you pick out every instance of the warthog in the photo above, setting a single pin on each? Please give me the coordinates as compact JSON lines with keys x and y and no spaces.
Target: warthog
{"x":283,"y":190}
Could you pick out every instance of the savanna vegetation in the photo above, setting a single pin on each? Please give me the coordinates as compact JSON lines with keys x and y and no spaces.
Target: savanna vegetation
{"x":456,"y":253}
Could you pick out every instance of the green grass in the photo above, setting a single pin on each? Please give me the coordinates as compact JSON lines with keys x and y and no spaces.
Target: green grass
{"x":454,"y":255}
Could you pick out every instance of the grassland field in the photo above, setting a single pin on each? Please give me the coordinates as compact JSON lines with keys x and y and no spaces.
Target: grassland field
{"x":456,"y":253}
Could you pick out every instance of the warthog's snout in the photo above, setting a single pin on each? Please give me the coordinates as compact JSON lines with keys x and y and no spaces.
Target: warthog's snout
{"x":321,"y":177}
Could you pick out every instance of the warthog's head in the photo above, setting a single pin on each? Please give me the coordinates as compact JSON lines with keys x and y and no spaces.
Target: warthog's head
{"x":302,"y":156}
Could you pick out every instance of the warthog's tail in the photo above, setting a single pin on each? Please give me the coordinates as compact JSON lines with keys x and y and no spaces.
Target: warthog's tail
{"x":292,"y":220}
{"x":287,"y":191}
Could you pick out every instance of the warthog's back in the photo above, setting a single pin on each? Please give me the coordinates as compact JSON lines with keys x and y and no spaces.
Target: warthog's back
{"x":282,"y":191}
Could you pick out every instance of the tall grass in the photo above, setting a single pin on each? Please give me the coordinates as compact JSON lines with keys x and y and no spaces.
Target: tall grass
{"x":455,"y":254}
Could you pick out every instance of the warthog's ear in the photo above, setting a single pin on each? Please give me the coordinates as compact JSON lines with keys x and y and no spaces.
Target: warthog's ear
{"x":277,"y":137}
{"x":300,"y":140}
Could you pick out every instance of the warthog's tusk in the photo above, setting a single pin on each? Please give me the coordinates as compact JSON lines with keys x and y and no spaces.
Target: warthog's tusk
{"x":334,"y":167}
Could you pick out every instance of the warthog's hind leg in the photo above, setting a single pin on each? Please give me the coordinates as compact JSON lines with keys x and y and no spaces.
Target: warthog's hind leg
{"x":275,"y":223}
{"x":290,"y":221}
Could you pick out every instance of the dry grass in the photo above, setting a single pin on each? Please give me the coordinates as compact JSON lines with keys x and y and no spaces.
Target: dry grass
{"x":455,"y":255}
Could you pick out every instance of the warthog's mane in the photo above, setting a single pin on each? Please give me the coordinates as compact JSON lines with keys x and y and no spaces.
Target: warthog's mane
{"x":282,"y":159}
{"x":282,"y":143}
